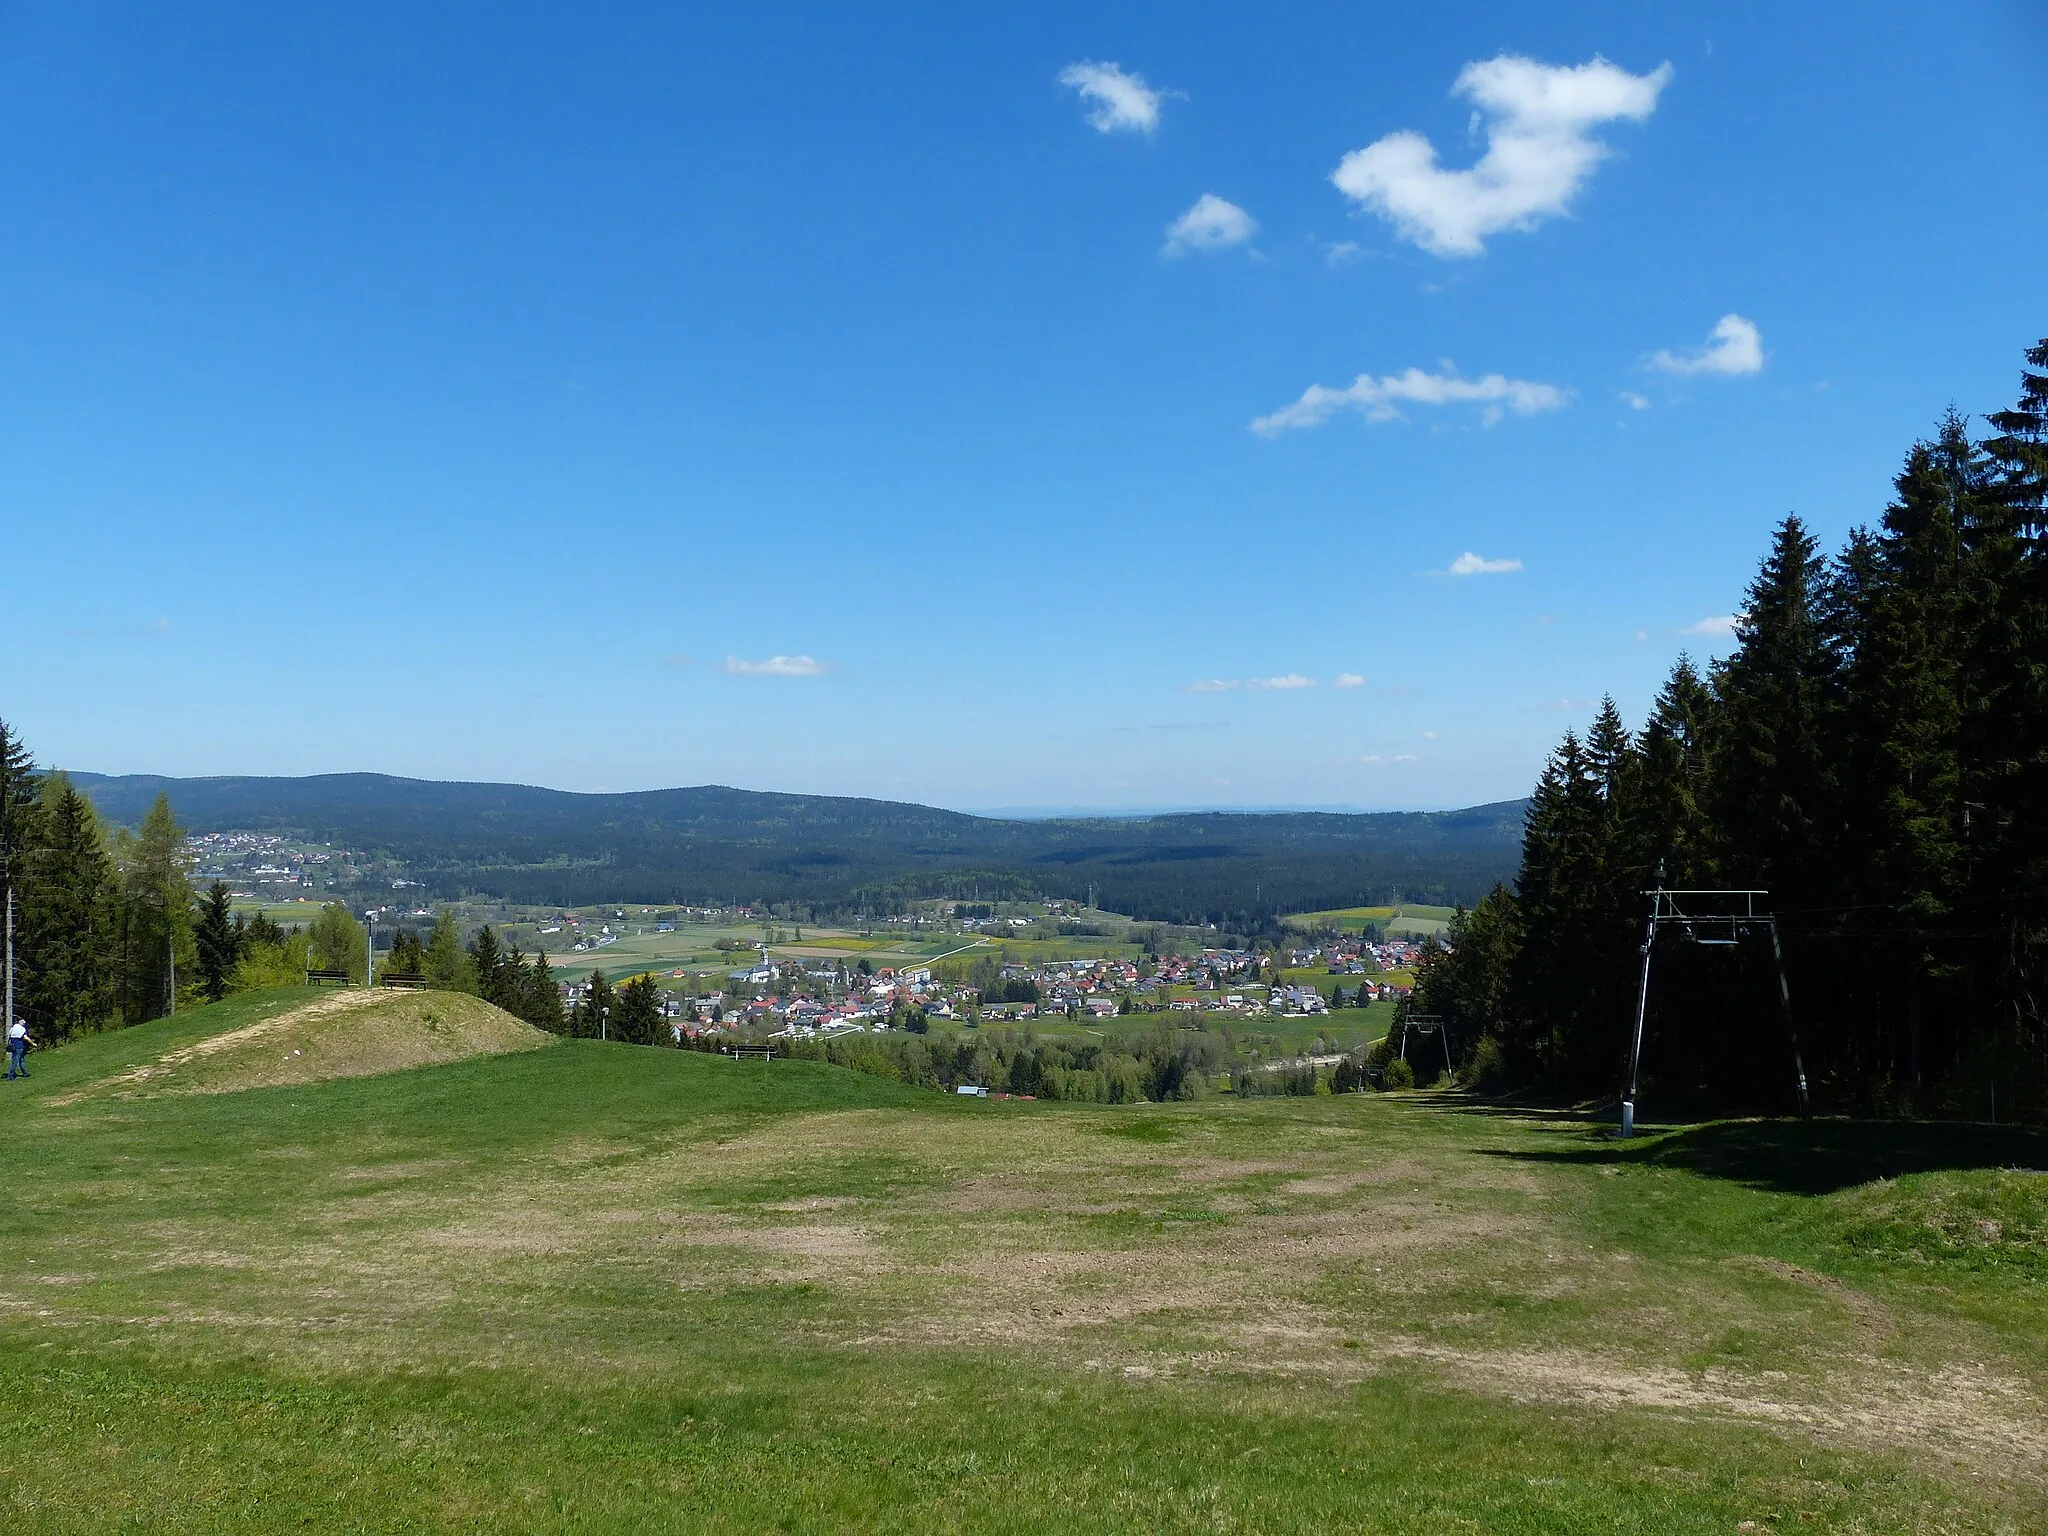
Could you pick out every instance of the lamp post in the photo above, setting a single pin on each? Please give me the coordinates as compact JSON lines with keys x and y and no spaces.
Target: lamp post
{"x":370,"y":948}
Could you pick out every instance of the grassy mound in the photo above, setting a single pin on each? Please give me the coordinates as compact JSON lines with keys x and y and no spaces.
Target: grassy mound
{"x":300,"y":1039}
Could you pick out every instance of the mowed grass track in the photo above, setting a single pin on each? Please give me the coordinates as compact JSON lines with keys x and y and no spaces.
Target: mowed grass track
{"x":605,"y":1288}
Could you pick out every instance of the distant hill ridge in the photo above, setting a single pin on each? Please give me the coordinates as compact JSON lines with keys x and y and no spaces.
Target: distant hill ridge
{"x":716,"y":844}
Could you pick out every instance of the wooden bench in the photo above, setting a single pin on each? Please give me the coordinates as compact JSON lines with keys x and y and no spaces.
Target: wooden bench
{"x":402,"y":981}
{"x":326,"y":978}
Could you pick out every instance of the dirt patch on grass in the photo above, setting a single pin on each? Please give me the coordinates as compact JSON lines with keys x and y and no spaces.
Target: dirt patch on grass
{"x":353,"y":1033}
{"x":1974,"y":1414}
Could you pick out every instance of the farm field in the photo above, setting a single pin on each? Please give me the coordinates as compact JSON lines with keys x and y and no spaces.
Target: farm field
{"x":589,"y":1287}
{"x":693,"y":947}
{"x":1402,"y":921}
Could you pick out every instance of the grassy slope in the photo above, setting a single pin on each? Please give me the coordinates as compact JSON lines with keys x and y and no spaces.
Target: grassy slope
{"x":605,"y":1288}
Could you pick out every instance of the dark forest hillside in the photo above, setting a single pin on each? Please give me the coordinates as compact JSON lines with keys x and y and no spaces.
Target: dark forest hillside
{"x":712,"y":844}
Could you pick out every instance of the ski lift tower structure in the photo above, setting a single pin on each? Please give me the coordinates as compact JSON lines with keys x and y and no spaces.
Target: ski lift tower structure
{"x":1427,"y":1024}
{"x":1709,"y":919}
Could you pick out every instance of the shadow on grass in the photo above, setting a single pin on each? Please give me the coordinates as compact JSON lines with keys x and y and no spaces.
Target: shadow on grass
{"x":1814,"y":1157}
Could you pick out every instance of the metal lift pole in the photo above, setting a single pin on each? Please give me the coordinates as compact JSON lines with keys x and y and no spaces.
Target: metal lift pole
{"x":1791,"y":1029}
{"x":1635,"y":1053}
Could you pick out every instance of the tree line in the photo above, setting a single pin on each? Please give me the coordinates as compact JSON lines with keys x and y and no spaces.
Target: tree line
{"x":109,"y":931}
{"x":1874,"y":755}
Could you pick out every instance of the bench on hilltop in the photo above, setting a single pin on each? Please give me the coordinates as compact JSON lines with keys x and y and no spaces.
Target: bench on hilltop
{"x":326,"y":978}
{"x":401,"y":980}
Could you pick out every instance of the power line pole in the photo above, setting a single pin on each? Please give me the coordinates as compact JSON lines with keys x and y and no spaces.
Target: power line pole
{"x":10,"y":959}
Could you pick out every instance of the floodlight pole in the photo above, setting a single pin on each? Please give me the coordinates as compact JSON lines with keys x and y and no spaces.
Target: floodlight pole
{"x":370,"y":948}
{"x":10,"y":959}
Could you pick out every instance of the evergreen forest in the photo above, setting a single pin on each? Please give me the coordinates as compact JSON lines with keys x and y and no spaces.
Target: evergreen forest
{"x":1874,"y":756}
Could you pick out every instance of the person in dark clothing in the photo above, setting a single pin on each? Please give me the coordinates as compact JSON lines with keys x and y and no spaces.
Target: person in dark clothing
{"x":18,"y":1042}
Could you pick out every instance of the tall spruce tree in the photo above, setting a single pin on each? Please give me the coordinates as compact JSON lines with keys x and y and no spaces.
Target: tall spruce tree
{"x":67,"y":922}
{"x":487,"y":965}
{"x":636,"y":1018}
{"x":543,"y":1007}
{"x":217,"y":940}
{"x":1773,"y":778}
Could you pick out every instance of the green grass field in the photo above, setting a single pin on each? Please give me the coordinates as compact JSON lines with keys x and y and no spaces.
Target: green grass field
{"x":1396,"y":922}
{"x":598,"y":1288}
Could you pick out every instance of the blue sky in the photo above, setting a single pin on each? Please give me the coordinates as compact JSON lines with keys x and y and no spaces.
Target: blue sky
{"x":1025,"y":406}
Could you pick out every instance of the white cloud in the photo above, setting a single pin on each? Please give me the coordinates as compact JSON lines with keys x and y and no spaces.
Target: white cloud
{"x":775,"y":666}
{"x":1381,"y":399}
{"x":1429,"y":735}
{"x":1372,"y":757}
{"x":1347,"y":680}
{"x":1208,"y":685}
{"x":1406,"y":757}
{"x":1539,"y":152}
{"x":1338,"y":254}
{"x":1634,"y":401}
{"x":1734,"y":347}
{"x":1567,"y":705}
{"x":1119,"y":100}
{"x":1721,"y":624}
{"x":1213,"y":224}
{"x":1290,"y":681}
{"x":1469,"y":564}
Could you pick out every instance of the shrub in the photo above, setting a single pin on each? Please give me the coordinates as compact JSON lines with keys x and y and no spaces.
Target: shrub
{"x":1397,"y":1074}
{"x":1487,"y":1068}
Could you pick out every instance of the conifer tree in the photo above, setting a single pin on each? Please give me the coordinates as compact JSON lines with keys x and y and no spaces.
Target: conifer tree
{"x":65,"y":922}
{"x":217,"y":940}
{"x":487,"y":965}
{"x":1772,"y":778}
{"x":636,"y":1019}
{"x":406,"y":957}
{"x":20,"y":790}
{"x":596,"y":1008}
{"x":543,"y":1007}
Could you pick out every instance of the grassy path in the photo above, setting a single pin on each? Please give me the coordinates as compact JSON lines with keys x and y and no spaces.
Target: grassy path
{"x":602,"y":1288}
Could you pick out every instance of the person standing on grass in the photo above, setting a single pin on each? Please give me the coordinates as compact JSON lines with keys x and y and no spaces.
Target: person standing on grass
{"x":18,"y":1042}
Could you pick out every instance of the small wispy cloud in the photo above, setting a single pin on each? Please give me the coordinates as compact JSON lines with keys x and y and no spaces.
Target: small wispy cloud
{"x":775,"y":666}
{"x":1406,"y":757}
{"x":1564,"y":705}
{"x":1341,"y":252}
{"x":1634,"y":401}
{"x":1381,"y":399}
{"x":1347,"y":680}
{"x":1469,"y":564}
{"x":1212,"y":224}
{"x":1284,"y":683}
{"x":1372,"y":757}
{"x":1734,"y":347}
{"x":1429,"y":735}
{"x":1540,"y":151}
{"x":1119,"y":99}
{"x":1720,"y":624}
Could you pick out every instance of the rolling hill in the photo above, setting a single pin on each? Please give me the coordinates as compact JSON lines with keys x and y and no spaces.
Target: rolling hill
{"x":715,"y":844}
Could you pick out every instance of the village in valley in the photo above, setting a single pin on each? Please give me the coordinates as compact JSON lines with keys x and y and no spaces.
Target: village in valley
{"x":766,"y":981}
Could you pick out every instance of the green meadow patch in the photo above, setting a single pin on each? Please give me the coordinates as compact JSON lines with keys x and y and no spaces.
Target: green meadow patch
{"x":598,"y":1288}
